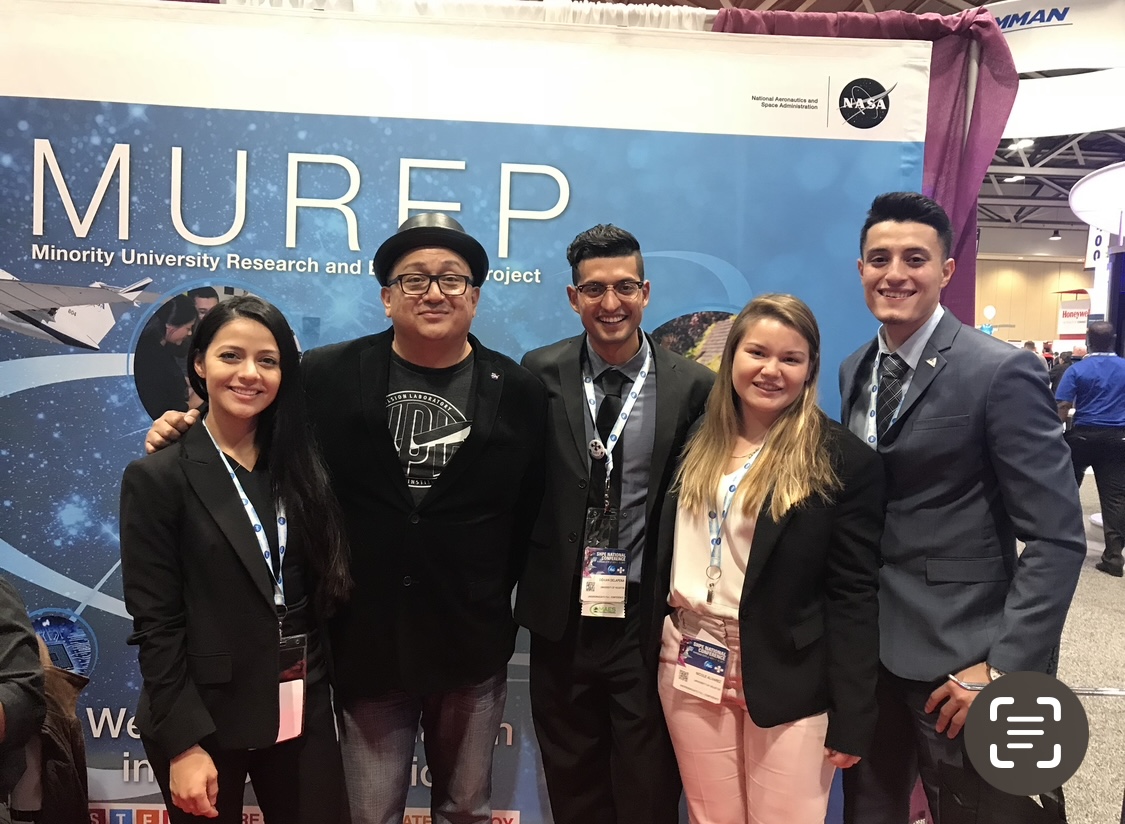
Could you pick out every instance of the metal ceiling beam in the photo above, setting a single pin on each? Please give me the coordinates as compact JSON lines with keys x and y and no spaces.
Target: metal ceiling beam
{"x":1038,"y":171}
{"x":1034,"y":202}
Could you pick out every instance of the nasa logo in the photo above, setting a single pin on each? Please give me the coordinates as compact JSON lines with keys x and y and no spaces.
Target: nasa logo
{"x":864,"y":103}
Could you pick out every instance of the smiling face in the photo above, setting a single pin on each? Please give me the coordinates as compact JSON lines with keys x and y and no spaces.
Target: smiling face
{"x":903,"y":271}
{"x":611,"y":322}
{"x":241,"y":368}
{"x":432,"y":319}
{"x":770,"y":369}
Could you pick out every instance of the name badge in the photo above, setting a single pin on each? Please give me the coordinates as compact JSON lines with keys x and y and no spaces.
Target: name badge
{"x":293,"y":669}
{"x":701,"y":669}
{"x":604,"y":582}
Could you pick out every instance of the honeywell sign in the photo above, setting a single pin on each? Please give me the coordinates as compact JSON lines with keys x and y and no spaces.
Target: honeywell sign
{"x":1073,"y":316}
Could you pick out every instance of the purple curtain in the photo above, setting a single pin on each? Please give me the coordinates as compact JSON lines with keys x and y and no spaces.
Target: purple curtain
{"x":954,"y":167}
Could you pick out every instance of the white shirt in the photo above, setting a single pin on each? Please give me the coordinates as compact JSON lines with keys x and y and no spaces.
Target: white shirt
{"x":691,"y":556}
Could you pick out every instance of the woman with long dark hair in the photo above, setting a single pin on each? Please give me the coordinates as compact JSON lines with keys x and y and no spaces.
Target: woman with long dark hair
{"x":161,"y":382}
{"x":769,"y":658}
{"x":233,"y":556}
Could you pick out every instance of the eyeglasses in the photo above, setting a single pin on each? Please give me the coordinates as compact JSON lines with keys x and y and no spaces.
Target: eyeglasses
{"x":625,"y":289}
{"x":419,"y":284}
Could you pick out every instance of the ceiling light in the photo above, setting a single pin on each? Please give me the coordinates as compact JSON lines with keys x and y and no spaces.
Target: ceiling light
{"x":1025,"y":143}
{"x":1014,"y":179}
{"x":1055,"y":235}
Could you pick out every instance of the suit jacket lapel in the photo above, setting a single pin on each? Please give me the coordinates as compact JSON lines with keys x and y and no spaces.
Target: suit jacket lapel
{"x":374,"y":379}
{"x":767,"y":533}
{"x":670,"y":397}
{"x":210,"y":481}
{"x":855,"y":378}
{"x":929,"y":366}
{"x":574,"y":398}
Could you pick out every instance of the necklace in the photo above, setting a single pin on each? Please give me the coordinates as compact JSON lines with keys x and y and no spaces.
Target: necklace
{"x":748,"y":454}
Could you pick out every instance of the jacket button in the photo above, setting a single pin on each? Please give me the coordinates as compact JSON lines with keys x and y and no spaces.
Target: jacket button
{"x":582,"y":484}
{"x":572,"y":537}
{"x":406,"y":581}
{"x":414,"y":519}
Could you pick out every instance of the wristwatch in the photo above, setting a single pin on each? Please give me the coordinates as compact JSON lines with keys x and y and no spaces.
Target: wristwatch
{"x":994,"y":673}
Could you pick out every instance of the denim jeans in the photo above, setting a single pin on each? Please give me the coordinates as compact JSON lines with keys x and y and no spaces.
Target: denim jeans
{"x":460,"y":728}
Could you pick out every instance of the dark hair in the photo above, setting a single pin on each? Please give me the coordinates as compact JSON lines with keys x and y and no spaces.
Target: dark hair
{"x":603,"y":241}
{"x":298,"y":478}
{"x":207,"y":292}
{"x":179,"y":311}
{"x":1100,"y":336}
{"x":909,"y":207}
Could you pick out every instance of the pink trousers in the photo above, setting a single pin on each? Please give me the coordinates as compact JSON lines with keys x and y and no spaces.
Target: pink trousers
{"x":735,"y":772}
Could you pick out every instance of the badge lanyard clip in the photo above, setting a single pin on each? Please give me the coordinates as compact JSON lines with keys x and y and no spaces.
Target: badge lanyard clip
{"x":715,"y":523}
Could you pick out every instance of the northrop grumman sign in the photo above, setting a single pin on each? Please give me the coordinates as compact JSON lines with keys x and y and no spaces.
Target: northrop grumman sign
{"x":1034,"y":18}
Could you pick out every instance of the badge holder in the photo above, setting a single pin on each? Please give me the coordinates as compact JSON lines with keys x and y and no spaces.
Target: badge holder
{"x":605,"y":569}
{"x":293,"y":670}
{"x":702,"y":667}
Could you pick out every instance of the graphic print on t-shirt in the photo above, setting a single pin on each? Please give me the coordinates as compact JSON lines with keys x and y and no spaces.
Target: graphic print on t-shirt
{"x":427,"y":430}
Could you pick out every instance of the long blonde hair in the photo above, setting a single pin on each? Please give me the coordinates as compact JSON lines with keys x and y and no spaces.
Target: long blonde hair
{"x":794,"y":463}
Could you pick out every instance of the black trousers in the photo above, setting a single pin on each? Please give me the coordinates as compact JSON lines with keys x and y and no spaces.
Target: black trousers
{"x":607,"y":757}
{"x":877,"y":790}
{"x":300,"y":781}
{"x":1103,"y":448}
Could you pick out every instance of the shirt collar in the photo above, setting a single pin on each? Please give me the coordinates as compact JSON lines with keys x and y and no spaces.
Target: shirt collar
{"x":911,"y":350}
{"x":631,"y":368}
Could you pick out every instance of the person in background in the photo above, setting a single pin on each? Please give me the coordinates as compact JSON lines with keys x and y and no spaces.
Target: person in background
{"x":233,"y":556}
{"x":161,"y":382}
{"x":205,"y":299}
{"x":22,"y":702}
{"x":1095,"y":388}
{"x":974,"y":461}
{"x":1063,"y":362}
{"x":1029,"y":345}
{"x":770,"y":656}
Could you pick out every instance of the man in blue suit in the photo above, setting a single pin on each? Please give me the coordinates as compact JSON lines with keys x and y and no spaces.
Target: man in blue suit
{"x":975,"y":461}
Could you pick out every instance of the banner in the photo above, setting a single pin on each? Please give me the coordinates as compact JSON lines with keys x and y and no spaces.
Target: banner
{"x":1074,"y":316}
{"x":151,"y":151}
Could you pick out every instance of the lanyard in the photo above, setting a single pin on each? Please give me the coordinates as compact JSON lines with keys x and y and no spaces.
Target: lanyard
{"x":626,"y":409}
{"x":259,"y":531}
{"x":715,"y":522}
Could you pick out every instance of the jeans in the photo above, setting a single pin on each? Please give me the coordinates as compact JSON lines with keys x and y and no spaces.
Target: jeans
{"x":460,"y":728}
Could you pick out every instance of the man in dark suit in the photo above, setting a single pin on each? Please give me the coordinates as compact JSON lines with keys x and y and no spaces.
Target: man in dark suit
{"x":435,"y":447}
{"x":606,"y":753}
{"x":975,"y":460}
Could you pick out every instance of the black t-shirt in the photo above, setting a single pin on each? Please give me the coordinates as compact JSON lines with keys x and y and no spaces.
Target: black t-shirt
{"x":298,"y":618}
{"x":428,"y":415}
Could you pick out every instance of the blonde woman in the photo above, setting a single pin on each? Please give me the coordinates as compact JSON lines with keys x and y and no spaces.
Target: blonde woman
{"x":769,"y":657}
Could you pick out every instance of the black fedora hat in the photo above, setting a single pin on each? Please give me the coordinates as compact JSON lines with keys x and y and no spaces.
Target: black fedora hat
{"x":431,"y":229}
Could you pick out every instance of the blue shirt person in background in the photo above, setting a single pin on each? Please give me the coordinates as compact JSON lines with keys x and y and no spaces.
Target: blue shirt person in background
{"x":1095,"y":388}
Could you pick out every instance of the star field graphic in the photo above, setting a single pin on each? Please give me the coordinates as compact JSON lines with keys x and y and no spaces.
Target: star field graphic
{"x":720,"y":217}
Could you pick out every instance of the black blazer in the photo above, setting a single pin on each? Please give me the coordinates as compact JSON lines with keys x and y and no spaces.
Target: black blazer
{"x":202,"y":602}
{"x":809,"y":614}
{"x":545,"y":596}
{"x":431,"y":609}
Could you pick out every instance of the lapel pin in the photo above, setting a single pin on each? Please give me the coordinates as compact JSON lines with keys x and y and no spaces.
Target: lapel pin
{"x":932,"y":361}
{"x":495,"y":376}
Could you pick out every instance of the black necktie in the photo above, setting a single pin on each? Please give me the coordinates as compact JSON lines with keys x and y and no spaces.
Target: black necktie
{"x":891,"y":372}
{"x":613,"y":384}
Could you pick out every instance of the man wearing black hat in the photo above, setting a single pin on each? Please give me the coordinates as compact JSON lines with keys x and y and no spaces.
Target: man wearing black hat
{"x":435,"y":447}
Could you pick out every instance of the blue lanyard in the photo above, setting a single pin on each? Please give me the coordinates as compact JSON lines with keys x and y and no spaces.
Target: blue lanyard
{"x":626,"y":409}
{"x":715,"y":522}
{"x":259,"y":530}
